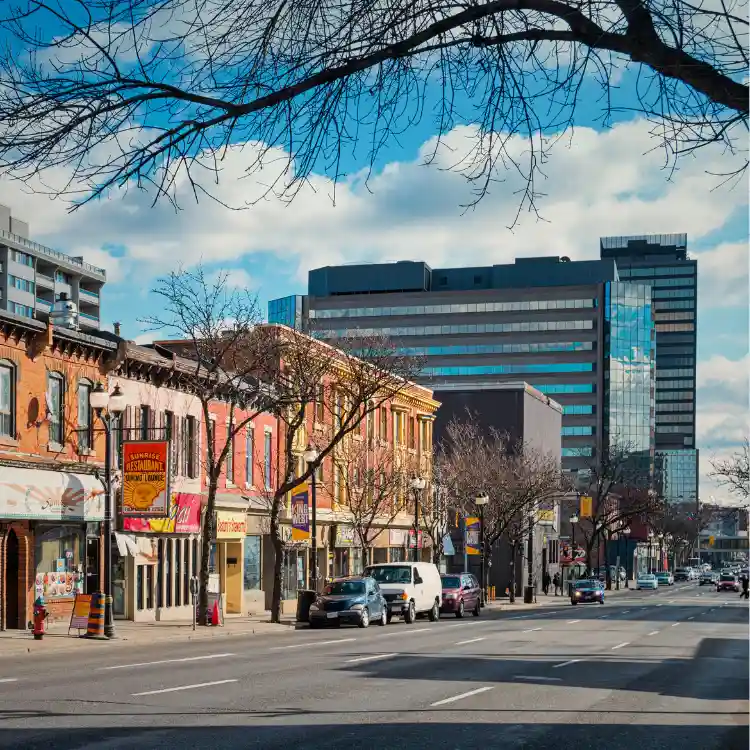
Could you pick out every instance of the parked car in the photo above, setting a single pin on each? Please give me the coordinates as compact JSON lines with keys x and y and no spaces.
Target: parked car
{"x":683,"y":574}
{"x":409,"y":589}
{"x":587,"y":591}
{"x":665,"y":578}
{"x":356,"y":600}
{"x":708,"y":577}
{"x":461,"y":593}
{"x":646,"y":581}
{"x":728,"y":582}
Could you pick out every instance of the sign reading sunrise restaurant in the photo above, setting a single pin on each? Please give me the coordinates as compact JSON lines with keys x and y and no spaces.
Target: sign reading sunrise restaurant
{"x":145,"y":478}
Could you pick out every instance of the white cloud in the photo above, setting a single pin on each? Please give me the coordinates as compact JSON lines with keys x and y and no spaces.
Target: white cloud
{"x":723,"y":275}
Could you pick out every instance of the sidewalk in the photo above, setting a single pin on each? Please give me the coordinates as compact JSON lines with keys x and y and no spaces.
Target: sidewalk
{"x":130,"y":634}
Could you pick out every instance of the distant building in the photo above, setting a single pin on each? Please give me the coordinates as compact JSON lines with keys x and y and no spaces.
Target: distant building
{"x":33,"y":276}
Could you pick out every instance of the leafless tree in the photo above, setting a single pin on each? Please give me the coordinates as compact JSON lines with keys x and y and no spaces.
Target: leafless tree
{"x":156,"y":91}
{"x":734,"y":472}
{"x":213,"y":325}
{"x":375,"y":482}
{"x":438,"y":502}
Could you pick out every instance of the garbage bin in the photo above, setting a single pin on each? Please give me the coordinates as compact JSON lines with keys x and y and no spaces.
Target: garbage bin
{"x":305,"y":598}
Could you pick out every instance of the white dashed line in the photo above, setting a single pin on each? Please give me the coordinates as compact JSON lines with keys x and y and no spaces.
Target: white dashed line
{"x":536,"y":677}
{"x":691,"y":618}
{"x":455,"y":698}
{"x":531,"y":630}
{"x":654,"y":632}
{"x":165,"y":661}
{"x":312,"y":644}
{"x":369,"y":658}
{"x":567,"y":663}
{"x":183,"y":687}
{"x":9,"y":679}
{"x":572,"y":622}
{"x":675,"y":624}
{"x":620,"y":645}
{"x":472,"y":640}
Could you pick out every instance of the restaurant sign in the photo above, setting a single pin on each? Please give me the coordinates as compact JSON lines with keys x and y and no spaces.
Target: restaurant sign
{"x":145,"y":478}
{"x":230,"y":525}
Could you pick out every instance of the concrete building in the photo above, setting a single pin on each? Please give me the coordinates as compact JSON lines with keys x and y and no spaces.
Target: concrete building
{"x":32,"y":276}
{"x":661,"y":261}
{"x":573,"y":330}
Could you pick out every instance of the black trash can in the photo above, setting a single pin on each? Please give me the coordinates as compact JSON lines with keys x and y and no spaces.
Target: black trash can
{"x":305,"y":598}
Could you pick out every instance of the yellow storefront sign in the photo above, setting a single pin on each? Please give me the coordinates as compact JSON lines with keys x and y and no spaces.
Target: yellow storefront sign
{"x":230,"y":525}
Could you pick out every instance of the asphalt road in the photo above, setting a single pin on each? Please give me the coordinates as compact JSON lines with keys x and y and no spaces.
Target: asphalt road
{"x":646,"y":670}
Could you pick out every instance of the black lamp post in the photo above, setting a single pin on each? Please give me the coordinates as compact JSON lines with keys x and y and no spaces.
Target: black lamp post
{"x":626,"y":532}
{"x":417,"y":484}
{"x":573,"y":564}
{"x":114,"y":403}
{"x":660,"y":535}
{"x":528,"y":594}
{"x":650,"y":540}
{"x":481,"y":500}
{"x":311,"y":455}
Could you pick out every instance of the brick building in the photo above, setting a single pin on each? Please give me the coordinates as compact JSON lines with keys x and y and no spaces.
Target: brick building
{"x":51,"y":500}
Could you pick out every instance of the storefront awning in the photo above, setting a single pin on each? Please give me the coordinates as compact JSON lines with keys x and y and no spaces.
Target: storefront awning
{"x":50,"y":495}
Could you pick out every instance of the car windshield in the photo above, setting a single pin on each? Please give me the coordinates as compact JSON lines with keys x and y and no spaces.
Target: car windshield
{"x":354,"y":588}
{"x":727,"y":577}
{"x":451,"y":582}
{"x":587,"y":585}
{"x":646,"y":577}
{"x":390,"y":574}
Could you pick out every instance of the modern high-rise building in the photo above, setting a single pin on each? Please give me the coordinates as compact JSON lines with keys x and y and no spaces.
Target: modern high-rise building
{"x":572,"y":330}
{"x":661,"y":261}
{"x":32,"y":276}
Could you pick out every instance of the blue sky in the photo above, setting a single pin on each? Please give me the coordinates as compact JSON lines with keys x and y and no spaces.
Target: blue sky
{"x":599,"y":182}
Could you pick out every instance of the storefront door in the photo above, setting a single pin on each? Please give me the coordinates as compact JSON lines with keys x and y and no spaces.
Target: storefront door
{"x":293,"y":573}
{"x":118,"y":584}
{"x":10,"y":584}
{"x":92,"y":565}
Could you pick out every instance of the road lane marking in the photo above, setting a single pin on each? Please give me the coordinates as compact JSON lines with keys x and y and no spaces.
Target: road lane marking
{"x":566,"y":663}
{"x":472,"y":640}
{"x":183,"y":687}
{"x":315,"y":643}
{"x":654,"y":632}
{"x":625,"y":611}
{"x":536,"y":677}
{"x":572,"y":622}
{"x":675,"y":624}
{"x":399,"y":632}
{"x":604,"y":617}
{"x":165,"y":661}
{"x":9,"y":679}
{"x":460,"y":697}
{"x":691,"y":618}
{"x":369,"y":658}
{"x":531,"y":630}
{"x":620,"y":645}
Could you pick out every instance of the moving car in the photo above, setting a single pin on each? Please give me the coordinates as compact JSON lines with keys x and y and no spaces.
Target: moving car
{"x":665,"y":578}
{"x":683,"y":574}
{"x":728,"y":582}
{"x":356,"y":600}
{"x":708,"y":577}
{"x":587,"y":591}
{"x":461,"y":593}
{"x":409,"y":588}
{"x":646,"y":581}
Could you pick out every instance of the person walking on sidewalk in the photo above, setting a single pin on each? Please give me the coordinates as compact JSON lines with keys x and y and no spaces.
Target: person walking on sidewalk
{"x":745,"y":586}
{"x":556,"y":583}
{"x":546,"y":580}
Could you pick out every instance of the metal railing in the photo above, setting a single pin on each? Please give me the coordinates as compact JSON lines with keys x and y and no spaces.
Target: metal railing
{"x":43,"y":302}
{"x":49,"y":252}
{"x":88,"y":317}
{"x":87,"y":293}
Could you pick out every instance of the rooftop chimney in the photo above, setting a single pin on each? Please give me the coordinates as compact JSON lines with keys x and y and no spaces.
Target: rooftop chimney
{"x":116,"y":327}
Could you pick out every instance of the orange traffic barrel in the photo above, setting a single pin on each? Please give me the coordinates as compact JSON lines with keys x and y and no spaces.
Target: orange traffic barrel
{"x":96,"y":617}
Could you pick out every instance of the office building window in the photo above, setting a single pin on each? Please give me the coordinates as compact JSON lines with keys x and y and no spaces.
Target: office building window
{"x":55,"y":407}
{"x":520,"y":348}
{"x":673,"y":395}
{"x":23,"y":284}
{"x":680,"y":406}
{"x":680,"y":372}
{"x":62,"y":277}
{"x":7,"y":399}
{"x":581,"y":452}
{"x":677,"y":304}
{"x":508,"y":369}
{"x":85,"y":425}
{"x":673,"y":293}
{"x":22,"y":258}
{"x":565,"y":388}
{"x":23,"y":310}
{"x":577,"y":430}
{"x":578,"y":409}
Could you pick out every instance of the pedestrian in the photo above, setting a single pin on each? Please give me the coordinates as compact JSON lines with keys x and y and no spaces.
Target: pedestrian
{"x":745,"y":585}
{"x":556,"y":583}
{"x":546,"y":580}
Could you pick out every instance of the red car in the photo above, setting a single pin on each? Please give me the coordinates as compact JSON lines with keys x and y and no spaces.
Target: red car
{"x":728,"y":583}
{"x":461,"y":593}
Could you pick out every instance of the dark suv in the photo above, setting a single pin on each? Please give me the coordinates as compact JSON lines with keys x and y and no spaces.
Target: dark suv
{"x":461,"y":593}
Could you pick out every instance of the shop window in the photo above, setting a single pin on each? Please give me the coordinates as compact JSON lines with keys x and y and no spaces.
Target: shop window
{"x":7,"y":399}
{"x":55,"y":407}
{"x":251,"y":567}
{"x":85,"y":425}
{"x":185,"y":572}
{"x":59,"y":555}
{"x":249,"y":452}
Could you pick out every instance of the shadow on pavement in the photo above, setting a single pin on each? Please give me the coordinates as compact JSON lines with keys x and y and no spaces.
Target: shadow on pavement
{"x":332,"y":736}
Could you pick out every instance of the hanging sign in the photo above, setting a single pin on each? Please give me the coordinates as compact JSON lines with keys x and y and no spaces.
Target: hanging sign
{"x":587,"y":505}
{"x":473,"y":543}
{"x":300,"y":514}
{"x":145,"y":478}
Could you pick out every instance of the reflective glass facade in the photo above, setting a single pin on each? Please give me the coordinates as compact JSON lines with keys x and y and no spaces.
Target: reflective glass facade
{"x":677,"y":475}
{"x":286,"y":311}
{"x":508,"y":369}
{"x":629,"y":363}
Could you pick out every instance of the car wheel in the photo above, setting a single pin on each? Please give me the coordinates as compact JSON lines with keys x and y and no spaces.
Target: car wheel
{"x":314,"y":625}
{"x":477,"y":608}
{"x":434,"y":613}
{"x":388,"y":618}
{"x":411,"y":614}
{"x":460,"y":610}
{"x":365,"y":619}
{"x":601,"y":601}
{"x":574,"y":602}
{"x":384,"y":618}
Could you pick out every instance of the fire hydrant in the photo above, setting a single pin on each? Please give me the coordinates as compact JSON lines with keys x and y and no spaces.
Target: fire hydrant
{"x":40,"y":615}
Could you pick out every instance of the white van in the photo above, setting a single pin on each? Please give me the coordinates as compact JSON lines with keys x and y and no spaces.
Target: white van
{"x":409,"y":588}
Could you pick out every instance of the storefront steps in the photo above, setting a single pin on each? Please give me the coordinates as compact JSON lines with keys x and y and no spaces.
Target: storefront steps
{"x":130,"y":634}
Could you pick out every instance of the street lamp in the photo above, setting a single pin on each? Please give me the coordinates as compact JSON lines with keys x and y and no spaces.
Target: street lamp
{"x":417,"y":484}
{"x":480,"y":501}
{"x":114,"y":404}
{"x":528,"y":593}
{"x":626,"y":531}
{"x":311,"y":455}
{"x":573,"y":522}
{"x":650,"y":540}
{"x":660,"y":535}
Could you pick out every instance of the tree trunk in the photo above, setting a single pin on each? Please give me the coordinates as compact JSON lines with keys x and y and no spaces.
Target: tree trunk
{"x":608,"y":574}
{"x":512,"y":587}
{"x":206,"y":554}
{"x":278,"y":559}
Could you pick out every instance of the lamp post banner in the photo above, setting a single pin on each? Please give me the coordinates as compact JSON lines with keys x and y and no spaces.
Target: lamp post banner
{"x":300,"y":514}
{"x":145,"y":478}
{"x":473,"y":530}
